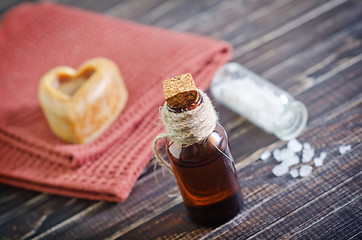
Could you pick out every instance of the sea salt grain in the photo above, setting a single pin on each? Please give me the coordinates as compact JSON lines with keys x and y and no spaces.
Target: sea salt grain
{"x":344,"y":148}
{"x":277,"y":155}
{"x":307,"y":154}
{"x":265,"y":155}
{"x":280,"y":170}
{"x":307,"y":146}
{"x":318,"y":161}
{"x":289,"y":157}
{"x":294,"y":145}
{"x":294,"y":173}
{"x":286,"y":153}
{"x":292,"y":160}
{"x":305,"y":170}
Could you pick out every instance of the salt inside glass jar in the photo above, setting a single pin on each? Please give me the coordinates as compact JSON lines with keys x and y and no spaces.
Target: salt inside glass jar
{"x":261,"y":102}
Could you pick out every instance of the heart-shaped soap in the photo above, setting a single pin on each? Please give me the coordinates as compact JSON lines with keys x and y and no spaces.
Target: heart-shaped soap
{"x":80,"y":105}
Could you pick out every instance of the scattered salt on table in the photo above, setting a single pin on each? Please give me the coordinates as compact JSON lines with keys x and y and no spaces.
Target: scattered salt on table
{"x":307,"y":154}
{"x":305,"y":170}
{"x":307,"y":146}
{"x":318,"y":161}
{"x":280,"y":170}
{"x":288,"y":157}
{"x":344,"y":148}
{"x":277,"y":155}
{"x":294,"y":173}
{"x":294,"y":160}
{"x":265,"y":155}
{"x":286,"y":153}
{"x":294,"y":145}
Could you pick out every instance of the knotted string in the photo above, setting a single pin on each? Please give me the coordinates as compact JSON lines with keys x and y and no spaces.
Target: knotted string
{"x":188,"y":127}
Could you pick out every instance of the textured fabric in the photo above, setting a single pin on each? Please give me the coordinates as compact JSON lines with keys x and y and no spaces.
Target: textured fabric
{"x":37,"y":37}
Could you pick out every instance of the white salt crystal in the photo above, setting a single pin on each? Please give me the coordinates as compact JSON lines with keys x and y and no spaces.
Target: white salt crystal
{"x":344,"y":148}
{"x":323,"y":155}
{"x":280,"y":170}
{"x":305,"y":170}
{"x":294,"y":173}
{"x":307,"y":146}
{"x":258,"y":103}
{"x":294,"y":145}
{"x":265,"y":155}
{"x":286,"y":153}
{"x":277,"y":155}
{"x":292,"y":160}
{"x":307,"y":154}
{"x":318,"y":161}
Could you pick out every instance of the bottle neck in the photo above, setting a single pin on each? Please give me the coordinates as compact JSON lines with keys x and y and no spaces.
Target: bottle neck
{"x":188,"y":108}
{"x":190,"y":125}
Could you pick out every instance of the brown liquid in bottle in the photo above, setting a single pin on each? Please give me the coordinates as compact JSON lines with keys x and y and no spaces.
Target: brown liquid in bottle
{"x":206,"y":177}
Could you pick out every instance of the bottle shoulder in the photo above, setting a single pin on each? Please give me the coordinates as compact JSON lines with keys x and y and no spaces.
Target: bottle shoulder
{"x":199,"y":153}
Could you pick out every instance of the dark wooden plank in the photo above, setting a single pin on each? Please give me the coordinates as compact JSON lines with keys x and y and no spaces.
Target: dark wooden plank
{"x":301,"y":68}
{"x":267,"y":22}
{"x":336,"y":88}
{"x":116,"y":225}
{"x":329,"y":55}
{"x":318,"y":208}
{"x":255,"y":172}
{"x":6,"y":190}
{"x":298,"y":33}
{"x":37,"y":215}
{"x":248,"y":225}
{"x":176,"y":216}
{"x":149,"y":200}
{"x":23,"y":209}
{"x":7,"y":4}
{"x":302,"y":216}
{"x":339,"y":51}
{"x":336,"y":170}
{"x":223,"y":20}
{"x":174,"y":11}
{"x":133,"y":10}
{"x":227,"y":12}
{"x":259,"y":191}
{"x":343,"y":223}
{"x":98,"y":6}
{"x":11,"y":197}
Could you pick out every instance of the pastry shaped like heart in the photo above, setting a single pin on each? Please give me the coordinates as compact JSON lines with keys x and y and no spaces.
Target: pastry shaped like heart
{"x":80,"y":105}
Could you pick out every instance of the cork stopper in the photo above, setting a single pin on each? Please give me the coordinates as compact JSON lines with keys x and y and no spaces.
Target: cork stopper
{"x":180,"y":91}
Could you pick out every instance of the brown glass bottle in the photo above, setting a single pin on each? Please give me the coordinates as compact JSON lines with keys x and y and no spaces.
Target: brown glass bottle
{"x":206,"y":176}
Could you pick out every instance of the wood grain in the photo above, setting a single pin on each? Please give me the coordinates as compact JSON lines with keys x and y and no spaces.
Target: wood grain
{"x":310,"y":48}
{"x":263,"y":194}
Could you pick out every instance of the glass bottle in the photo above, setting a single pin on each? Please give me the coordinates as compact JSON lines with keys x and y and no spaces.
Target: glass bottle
{"x":206,"y":176}
{"x":261,"y":102}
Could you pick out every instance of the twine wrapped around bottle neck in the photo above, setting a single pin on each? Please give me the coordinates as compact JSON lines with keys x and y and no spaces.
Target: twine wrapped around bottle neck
{"x":190,"y":127}
{"x":187,"y":127}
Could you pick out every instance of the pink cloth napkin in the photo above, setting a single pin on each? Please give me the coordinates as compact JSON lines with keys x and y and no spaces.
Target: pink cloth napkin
{"x":37,"y":37}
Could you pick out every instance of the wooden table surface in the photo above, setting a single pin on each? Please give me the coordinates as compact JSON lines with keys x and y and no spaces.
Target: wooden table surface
{"x":311,"y":48}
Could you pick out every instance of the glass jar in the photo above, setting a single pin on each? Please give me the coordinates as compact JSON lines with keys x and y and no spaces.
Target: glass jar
{"x":261,"y":102}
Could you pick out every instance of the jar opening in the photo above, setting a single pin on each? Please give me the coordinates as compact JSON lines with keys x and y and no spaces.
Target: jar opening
{"x":292,"y":121}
